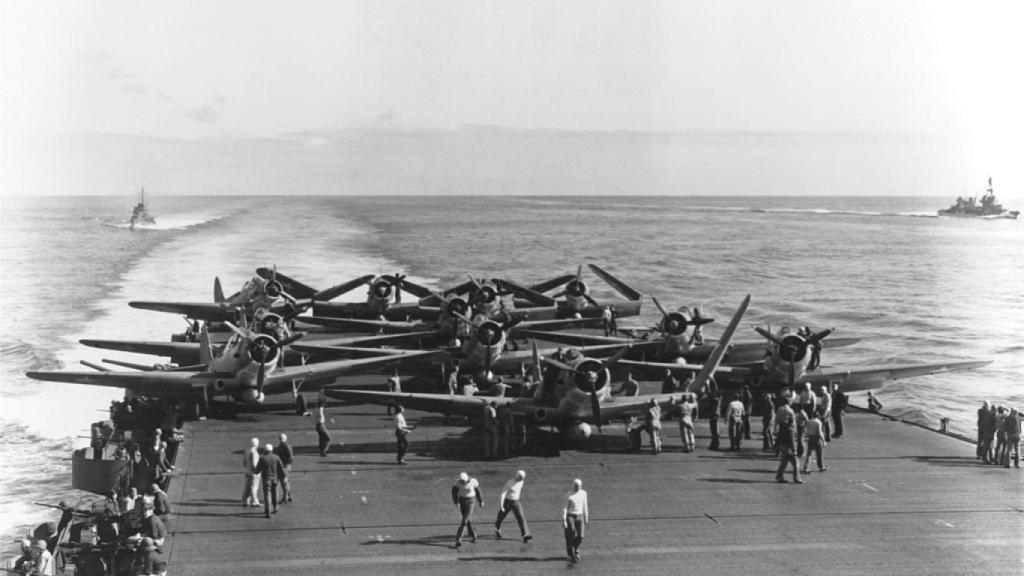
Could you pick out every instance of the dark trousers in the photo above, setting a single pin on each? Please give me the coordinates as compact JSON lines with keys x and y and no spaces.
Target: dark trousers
{"x":813,"y":446}
{"x":516,"y":509}
{"x":713,"y":425}
{"x":324,"y":438}
{"x":403,"y":444}
{"x":466,"y":507}
{"x":735,"y":434}
{"x":270,"y":498}
{"x":787,"y":457}
{"x":766,"y":434}
{"x":746,"y":426}
{"x":573,"y":534}
{"x":837,"y":420}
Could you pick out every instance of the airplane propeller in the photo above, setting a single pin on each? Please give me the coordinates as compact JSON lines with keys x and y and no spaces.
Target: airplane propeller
{"x":793,"y":347}
{"x":676,"y":323}
{"x":588,"y":377}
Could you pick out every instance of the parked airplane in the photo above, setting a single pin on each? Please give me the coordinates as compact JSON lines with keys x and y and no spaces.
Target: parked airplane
{"x":788,"y":361}
{"x":581,"y":397}
{"x":577,"y":300}
{"x":246,"y":370}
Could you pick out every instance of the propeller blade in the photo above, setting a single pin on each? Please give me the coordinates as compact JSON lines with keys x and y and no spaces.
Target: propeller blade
{"x":617,"y":356}
{"x":792,"y":375}
{"x":771,"y":337}
{"x":293,"y":338}
{"x":815,"y":338}
{"x":536,"y":362}
{"x":592,"y":301}
{"x":659,"y":306}
{"x":238,"y":331}
{"x":579,"y":273}
{"x":473,"y":280}
{"x":261,"y":376}
{"x":557,"y":364}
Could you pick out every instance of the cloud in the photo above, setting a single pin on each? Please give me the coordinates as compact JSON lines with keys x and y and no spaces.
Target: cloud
{"x":135,"y":86}
{"x":204,"y":114}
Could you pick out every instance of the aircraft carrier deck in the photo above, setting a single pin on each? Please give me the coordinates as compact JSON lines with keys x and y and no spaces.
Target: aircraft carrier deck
{"x":897,"y":499}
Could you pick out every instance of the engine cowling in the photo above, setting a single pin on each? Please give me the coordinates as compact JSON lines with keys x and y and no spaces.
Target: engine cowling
{"x":489,"y":334}
{"x":580,"y":430}
{"x":381,"y":289}
{"x":274,"y":289}
{"x":591,"y":373}
{"x":576,"y":288}
{"x":251,"y":396}
{"x":792,"y":349}
{"x":264,"y":349}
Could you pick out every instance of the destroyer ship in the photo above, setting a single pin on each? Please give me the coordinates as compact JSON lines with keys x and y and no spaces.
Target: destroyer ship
{"x":987,"y":208}
{"x":140,"y":215}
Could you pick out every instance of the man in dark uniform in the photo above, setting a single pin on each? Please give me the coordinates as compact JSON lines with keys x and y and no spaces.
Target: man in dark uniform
{"x":287,"y":455}
{"x":839,"y":402}
{"x":714,"y":414}
{"x":270,"y":470}
{"x":670,"y":384}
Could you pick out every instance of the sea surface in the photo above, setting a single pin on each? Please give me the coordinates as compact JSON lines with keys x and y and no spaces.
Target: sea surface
{"x":916,"y":288}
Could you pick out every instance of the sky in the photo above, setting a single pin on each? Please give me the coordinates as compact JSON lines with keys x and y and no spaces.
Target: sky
{"x":257,"y":69}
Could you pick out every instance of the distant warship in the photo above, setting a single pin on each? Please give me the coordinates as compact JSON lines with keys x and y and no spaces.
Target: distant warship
{"x":141,"y":216}
{"x":988,"y":208}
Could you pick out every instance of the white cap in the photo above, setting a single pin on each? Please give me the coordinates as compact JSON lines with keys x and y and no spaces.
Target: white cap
{"x":464,"y":477}
{"x":255,"y":442}
{"x":520,"y":475}
{"x":268,"y":447}
{"x":577,"y":483}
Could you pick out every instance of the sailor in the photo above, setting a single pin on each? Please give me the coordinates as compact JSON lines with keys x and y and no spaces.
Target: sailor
{"x":670,"y":384}
{"x":873,"y":404}
{"x":509,"y":500}
{"x":44,"y":565}
{"x":815,"y":360}
{"x":1012,"y":428}
{"x":504,"y":430}
{"x":453,"y":379}
{"x":161,"y":505}
{"x":766,"y":410}
{"x":698,"y":330}
{"x":272,"y":471}
{"x":402,"y":431}
{"x":606,"y":320}
{"x":839,"y":402}
{"x":287,"y":455}
{"x":786,"y":441}
{"x":394,"y":385}
{"x":250,"y":458}
{"x":815,"y":443}
{"x":734,"y":418}
{"x":630,"y":387}
{"x":687,"y":412}
{"x":490,"y":430}
{"x":824,"y":411}
{"x":466,"y":495}
{"x":748,"y":404}
{"x":714,"y":413}
{"x":152,"y":526}
{"x":575,"y":517}
{"x":323,"y":436}
{"x":652,"y":423}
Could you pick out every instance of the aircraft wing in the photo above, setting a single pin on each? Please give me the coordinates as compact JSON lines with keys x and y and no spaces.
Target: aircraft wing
{"x":198,"y":310}
{"x":281,"y":380}
{"x":453,"y":404}
{"x":357,"y":325}
{"x":156,"y":383}
{"x":867,"y":378}
{"x":674,"y":366}
{"x":622,"y":407}
{"x":552,"y":283}
{"x":293,"y":287}
{"x":572,"y":339}
{"x":335,"y":291}
{"x":619,"y":286}
{"x":521,"y":291}
{"x":165,"y":349}
{"x":418,"y":339}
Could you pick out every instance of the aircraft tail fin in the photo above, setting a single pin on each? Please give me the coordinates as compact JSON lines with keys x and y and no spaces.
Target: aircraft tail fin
{"x":205,"y":349}
{"x":619,"y":286}
{"x":704,"y":376}
{"x":218,"y":292}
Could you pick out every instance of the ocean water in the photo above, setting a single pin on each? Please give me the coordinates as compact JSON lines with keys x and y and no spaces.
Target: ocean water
{"x":916,"y":288}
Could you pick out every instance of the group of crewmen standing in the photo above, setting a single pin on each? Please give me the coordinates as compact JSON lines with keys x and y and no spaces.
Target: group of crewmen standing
{"x":1003,"y":425}
{"x":795,"y":424}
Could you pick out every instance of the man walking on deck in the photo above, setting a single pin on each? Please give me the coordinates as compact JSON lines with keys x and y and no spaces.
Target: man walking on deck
{"x":466,"y":495}
{"x":575,"y":516}
{"x":785,"y":442}
{"x":323,"y":436}
{"x":839,"y":402}
{"x":510,"y":502}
